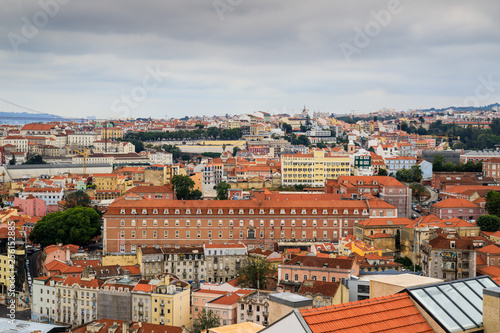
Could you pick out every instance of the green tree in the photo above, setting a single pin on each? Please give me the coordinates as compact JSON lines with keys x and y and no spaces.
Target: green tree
{"x":493,"y":203}
{"x":254,"y":273}
{"x":382,"y":172}
{"x":405,"y":261}
{"x":236,"y":149}
{"x":206,"y":319}
{"x":416,"y":172}
{"x":182,"y":185}
{"x":75,"y":199}
{"x":437,"y":165}
{"x":74,"y":226}
{"x":37,"y":159}
{"x":195,"y":195}
{"x":13,"y":160}
{"x":321,"y":145}
{"x":287,"y":128}
{"x":419,"y":191}
{"x":488,"y":222}
{"x":449,"y":167}
{"x":222,"y":190}
{"x":139,"y":146}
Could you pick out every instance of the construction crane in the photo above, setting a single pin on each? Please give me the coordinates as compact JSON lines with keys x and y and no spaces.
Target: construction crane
{"x":85,"y":154}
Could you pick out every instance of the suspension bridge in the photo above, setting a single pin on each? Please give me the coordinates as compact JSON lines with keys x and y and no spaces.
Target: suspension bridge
{"x":12,"y":113}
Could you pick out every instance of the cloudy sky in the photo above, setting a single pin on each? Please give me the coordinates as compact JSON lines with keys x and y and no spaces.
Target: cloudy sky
{"x":129,"y":58}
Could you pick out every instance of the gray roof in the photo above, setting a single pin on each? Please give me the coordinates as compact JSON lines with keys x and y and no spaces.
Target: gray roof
{"x":456,"y":305}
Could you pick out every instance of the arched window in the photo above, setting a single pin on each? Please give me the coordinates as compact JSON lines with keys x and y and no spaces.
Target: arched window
{"x":251,"y":234}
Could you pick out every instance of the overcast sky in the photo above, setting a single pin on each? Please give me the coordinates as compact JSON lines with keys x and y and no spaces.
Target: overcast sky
{"x":129,"y":58}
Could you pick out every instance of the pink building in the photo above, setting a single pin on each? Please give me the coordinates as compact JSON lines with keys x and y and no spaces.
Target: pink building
{"x":31,"y":206}
{"x":460,"y":208}
{"x":306,"y":267}
{"x":59,"y":252}
{"x":223,"y":303}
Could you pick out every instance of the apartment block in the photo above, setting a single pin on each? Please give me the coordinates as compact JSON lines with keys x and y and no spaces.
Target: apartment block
{"x":313,"y":169}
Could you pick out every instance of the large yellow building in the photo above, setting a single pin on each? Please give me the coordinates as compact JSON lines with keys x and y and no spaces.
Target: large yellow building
{"x":171,"y":301}
{"x":313,"y":169}
{"x":110,"y":133}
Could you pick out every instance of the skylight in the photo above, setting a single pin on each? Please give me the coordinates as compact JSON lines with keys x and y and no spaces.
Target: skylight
{"x":455,"y":305}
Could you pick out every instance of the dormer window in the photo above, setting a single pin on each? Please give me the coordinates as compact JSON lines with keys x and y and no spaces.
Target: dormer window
{"x":241,"y":211}
{"x":250,"y":211}
{"x":356,"y":212}
{"x":122,"y":211}
{"x":292,"y":211}
{"x":144,"y":211}
{"x":325,"y":211}
{"x":271,"y":223}
{"x":198,"y":211}
{"x":231,"y":211}
{"x":346,"y":211}
{"x":304,"y":211}
{"x":262,"y":211}
{"x":155,"y":211}
{"x":165,"y":211}
{"x":282,"y":211}
{"x":314,"y":211}
{"x":220,"y":211}
{"x":335,"y":211}
{"x":271,"y":211}
{"x":134,"y":211}
{"x":209,"y":211}
{"x":188,"y":211}
{"x":177,"y":211}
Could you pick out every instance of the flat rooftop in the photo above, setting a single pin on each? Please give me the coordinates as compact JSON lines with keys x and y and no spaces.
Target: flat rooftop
{"x":406,"y":280}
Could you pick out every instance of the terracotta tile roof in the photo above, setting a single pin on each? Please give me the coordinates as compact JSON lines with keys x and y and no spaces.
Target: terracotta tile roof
{"x":492,"y":271}
{"x":311,"y":261}
{"x":83,"y":282}
{"x":394,"y":313}
{"x":146,"y":287}
{"x":226,"y":299}
{"x":319,"y":287}
{"x":387,"y":221}
{"x":455,"y":203}
{"x":491,"y":249}
{"x":136,"y":327}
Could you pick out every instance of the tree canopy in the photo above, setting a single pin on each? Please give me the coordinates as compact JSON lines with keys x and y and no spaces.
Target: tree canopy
{"x":206,"y":319}
{"x":183,"y":187}
{"x":77,"y":198}
{"x":222,"y":190}
{"x":37,"y":159}
{"x":488,"y":222}
{"x":412,"y":175}
{"x":255,"y":270}
{"x":493,"y":203}
{"x":382,"y":172}
{"x":74,"y":226}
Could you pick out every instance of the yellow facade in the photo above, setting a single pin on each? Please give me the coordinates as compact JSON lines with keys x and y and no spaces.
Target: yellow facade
{"x":106,"y":182}
{"x":313,"y":169}
{"x":111,"y":133}
{"x":170,"y":305}
{"x":363,"y":249}
{"x":196,"y":177}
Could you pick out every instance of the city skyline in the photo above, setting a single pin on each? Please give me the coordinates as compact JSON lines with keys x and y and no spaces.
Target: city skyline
{"x":174,"y":59}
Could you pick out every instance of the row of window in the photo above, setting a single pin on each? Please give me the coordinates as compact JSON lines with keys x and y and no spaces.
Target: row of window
{"x":251,"y":234}
{"x":242,"y":211}
{"x":241,"y":223}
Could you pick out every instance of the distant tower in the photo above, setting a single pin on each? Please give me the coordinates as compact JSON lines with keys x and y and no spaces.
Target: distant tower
{"x":350,"y":147}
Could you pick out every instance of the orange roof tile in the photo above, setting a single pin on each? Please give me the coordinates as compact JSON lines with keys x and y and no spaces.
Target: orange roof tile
{"x":455,"y":203}
{"x":394,"y":313}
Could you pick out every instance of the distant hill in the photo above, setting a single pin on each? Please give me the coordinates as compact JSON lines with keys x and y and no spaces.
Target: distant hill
{"x":20,"y":118}
{"x":463,"y":108}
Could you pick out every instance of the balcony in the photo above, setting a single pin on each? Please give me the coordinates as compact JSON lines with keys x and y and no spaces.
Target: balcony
{"x":290,"y":283}
{"x":250,"y":312}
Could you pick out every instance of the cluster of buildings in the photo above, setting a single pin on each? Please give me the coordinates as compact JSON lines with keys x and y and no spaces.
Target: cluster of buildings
{"x":337,"y":235}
